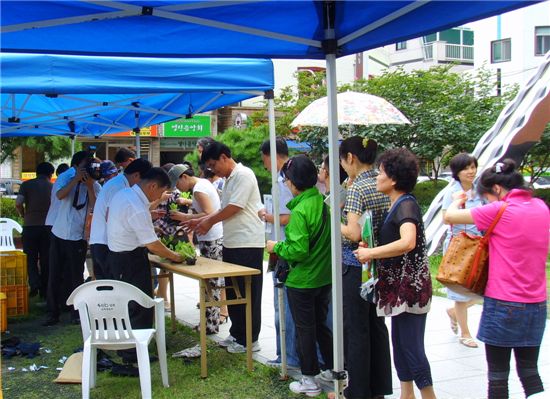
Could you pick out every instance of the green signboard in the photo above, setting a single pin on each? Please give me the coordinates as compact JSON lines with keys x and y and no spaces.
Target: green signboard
{"x":197,"y":126}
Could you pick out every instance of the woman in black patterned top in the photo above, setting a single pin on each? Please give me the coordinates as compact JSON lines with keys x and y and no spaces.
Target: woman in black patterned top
{"x":404,"y":288}
{"x":367,"y":350}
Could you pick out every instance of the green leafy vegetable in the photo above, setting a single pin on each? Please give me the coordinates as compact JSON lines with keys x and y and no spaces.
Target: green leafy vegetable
{"x":185,"y":249}
{"x":173,"y":206}
{"x":186,"y":195}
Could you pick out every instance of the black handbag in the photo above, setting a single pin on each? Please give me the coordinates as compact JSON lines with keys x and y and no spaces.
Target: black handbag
{"x":282,"y":268}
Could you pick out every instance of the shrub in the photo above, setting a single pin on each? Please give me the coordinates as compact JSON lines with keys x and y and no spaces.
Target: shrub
{"x":426,"y":191}
{"x":544,"y":194}
{"x":8,"y":210}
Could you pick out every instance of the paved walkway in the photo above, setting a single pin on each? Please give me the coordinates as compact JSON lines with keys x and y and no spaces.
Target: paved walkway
{"x":458,"y":372}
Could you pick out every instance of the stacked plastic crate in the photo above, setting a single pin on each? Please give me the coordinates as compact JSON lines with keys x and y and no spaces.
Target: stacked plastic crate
{"x":13,"y":282}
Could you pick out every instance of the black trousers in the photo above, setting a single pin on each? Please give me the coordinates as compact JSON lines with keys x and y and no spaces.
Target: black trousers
{"x":249,"y":257}
{"x":366,"y":342}
{"x":309,"y":308}
{"x":133,"y":267}
{"x":498,"y":362}
{"x":99,"y":254}
{"x":36,"y":244}
{"x":66,"y":269}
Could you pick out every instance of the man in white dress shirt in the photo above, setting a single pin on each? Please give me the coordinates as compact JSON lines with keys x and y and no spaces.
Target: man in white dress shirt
{"x":130,"y":235}
{"x":98,"y":235}
{"x":76,"y":192}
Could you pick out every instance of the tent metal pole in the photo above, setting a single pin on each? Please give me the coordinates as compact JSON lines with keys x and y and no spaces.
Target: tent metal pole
{"x":276,"y":222}
{"x":72,"y":144}
{"x":336,"y":246}
{"x":138,"y":145}
{"x":136,"y":129}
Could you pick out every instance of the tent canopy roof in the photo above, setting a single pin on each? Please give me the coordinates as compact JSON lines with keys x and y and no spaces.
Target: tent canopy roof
{"x":90,"y":95}
{"x":248,"y":28}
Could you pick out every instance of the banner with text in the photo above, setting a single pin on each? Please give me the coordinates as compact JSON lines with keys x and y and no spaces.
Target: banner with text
{"x":197,"y":126}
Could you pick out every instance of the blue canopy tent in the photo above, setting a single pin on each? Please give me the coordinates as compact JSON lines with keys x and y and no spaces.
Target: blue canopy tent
{"x":296,"y":29}
{"x":44,"y":94}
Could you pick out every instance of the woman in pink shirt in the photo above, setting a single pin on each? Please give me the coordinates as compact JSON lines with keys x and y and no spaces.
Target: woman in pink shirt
{"x":514,"y":308}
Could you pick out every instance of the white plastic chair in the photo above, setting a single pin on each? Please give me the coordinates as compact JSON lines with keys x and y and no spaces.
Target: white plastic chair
{"x":6,"y":233}
{"x":105,"y":322}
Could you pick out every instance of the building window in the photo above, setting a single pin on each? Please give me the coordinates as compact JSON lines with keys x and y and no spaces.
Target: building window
{"x":400,"y":46}
{"x":501,"y":50}
{"x":542,"y":40}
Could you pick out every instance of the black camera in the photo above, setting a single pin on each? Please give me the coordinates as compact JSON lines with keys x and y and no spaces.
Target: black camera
{"x":93,"y":168}
{"x":93,"y":165}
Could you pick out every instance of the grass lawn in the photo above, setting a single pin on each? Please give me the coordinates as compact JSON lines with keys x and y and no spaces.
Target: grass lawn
{"x":228,"y":377}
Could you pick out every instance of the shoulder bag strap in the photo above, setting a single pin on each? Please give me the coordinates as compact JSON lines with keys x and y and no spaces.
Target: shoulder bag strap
{"x":483,"y":243}
{"x":497,"y":218}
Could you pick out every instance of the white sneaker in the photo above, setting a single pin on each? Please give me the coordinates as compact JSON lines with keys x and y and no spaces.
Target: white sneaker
{"x":307,"y":386}
{"x":226,"y":342}
{"x":235,"y":347}
{"x":325,"y":375}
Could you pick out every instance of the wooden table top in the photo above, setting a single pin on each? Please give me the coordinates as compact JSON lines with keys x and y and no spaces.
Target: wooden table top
{"x":204,"y":268}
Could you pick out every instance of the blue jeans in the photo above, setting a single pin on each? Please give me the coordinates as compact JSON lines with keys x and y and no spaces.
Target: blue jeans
{"x":512,"y":324}
{"x":290,"y":336}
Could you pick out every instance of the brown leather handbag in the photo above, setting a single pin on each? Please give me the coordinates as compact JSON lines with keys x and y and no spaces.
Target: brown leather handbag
{"x":465,"y":266}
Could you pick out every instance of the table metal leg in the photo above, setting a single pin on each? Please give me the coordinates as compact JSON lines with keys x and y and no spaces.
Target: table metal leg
{"x":248,"y":291}
{"x":204,"y":367}
{"x":172,"y":302}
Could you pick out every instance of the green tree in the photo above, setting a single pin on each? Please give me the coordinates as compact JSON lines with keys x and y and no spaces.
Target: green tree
{"x":52,"y":147}
{"x":448,"y":111}
{"x":537,"y":160}
{"x":245,"y":148}
{"x":311,"y":86}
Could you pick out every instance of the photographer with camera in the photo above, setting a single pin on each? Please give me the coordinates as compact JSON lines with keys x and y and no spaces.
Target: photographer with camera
{"x":76,"y":191}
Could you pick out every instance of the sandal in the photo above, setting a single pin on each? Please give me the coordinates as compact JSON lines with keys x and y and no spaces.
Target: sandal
{"x":454,"y":323}
{"x":223,"y":318}
{"x":468,"y":342}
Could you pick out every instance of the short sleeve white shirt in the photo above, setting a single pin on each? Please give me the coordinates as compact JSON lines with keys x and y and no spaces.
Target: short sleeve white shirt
{"x":98,"y":232}
{"x":69,"y":221}
{"x":54,"y":203}
{"x":285,"y":196}
{"x":245,"y":229}
{"x":129,"y":223}
{"x":204,"y":186}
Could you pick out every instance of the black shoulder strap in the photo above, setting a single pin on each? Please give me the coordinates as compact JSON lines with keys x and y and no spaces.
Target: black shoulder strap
{"x":322,"y":228}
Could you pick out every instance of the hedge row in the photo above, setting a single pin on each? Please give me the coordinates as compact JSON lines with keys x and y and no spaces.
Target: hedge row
{"x":426,"y":191}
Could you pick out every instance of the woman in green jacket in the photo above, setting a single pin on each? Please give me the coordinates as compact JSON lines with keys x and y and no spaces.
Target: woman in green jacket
{"x":309,"y":283}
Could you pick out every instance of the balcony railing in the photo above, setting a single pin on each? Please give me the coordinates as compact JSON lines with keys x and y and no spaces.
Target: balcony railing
{"x":459,"y":52}
{"x":429,"y":51}
{"x":441,"y":51}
